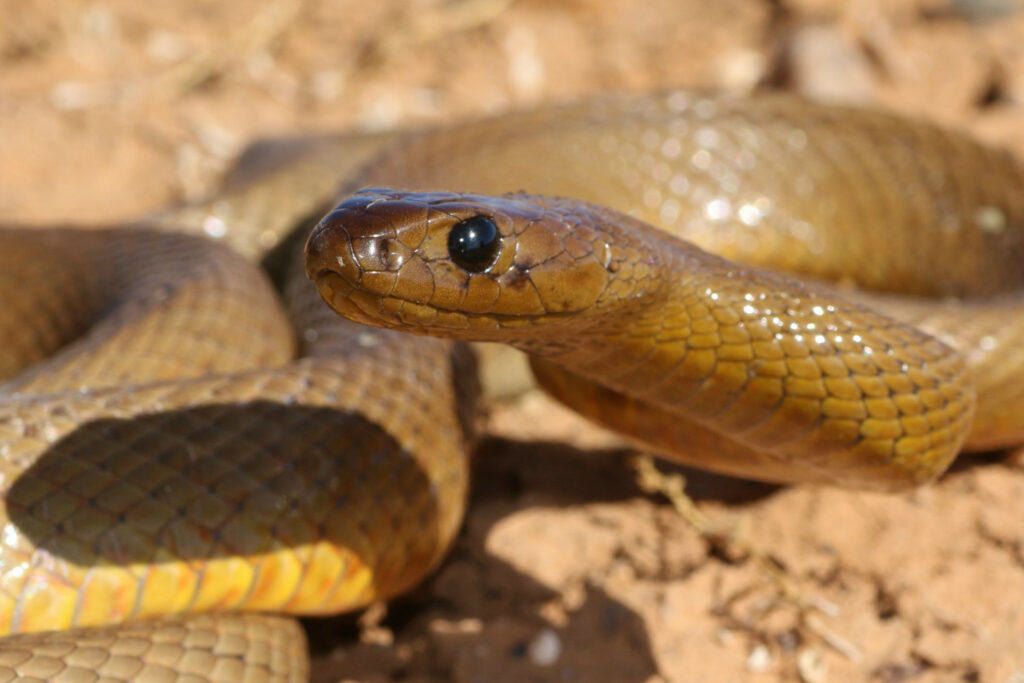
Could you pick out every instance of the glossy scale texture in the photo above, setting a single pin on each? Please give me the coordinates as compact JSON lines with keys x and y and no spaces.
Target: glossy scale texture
{"x":726,"y":366}
{"x":159,"y":414}
{"x":173,"y":456}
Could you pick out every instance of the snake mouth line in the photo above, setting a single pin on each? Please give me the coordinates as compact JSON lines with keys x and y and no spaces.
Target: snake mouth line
{"x":352,"y":301}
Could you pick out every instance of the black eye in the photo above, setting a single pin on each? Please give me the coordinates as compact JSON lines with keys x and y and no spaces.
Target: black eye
{"x":473,"y":243}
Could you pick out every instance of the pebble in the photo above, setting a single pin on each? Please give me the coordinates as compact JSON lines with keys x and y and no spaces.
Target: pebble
{"x":545,"y":648}
{"x":759,"y":660}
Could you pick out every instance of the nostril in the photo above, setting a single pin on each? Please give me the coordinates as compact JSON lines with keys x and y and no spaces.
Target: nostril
{"x":368,"y":252}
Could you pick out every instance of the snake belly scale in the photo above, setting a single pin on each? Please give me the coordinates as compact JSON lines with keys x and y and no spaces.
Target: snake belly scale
{"x":169,"y":448}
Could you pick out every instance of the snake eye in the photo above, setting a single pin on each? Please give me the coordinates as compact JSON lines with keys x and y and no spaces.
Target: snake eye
{"x":473,"y":243}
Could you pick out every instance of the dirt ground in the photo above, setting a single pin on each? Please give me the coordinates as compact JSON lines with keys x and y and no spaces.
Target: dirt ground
{"x":566,"y":569}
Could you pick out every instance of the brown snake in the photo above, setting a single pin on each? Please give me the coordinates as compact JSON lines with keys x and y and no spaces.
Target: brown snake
{"x":269,"y":484}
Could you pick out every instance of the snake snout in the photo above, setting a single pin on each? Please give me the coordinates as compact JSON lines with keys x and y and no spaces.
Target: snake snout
{"x":354,"y":255}
{"x":328,"y":252}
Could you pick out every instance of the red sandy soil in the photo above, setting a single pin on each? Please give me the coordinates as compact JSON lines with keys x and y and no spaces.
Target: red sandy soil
{"x":566,"y":570}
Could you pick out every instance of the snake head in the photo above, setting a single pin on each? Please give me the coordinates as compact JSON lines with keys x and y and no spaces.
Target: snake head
{"x":460,"y":265}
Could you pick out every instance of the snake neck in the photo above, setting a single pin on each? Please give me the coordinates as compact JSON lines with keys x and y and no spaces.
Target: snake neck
{"x":668,"y":315}
{"x":713,"y":341}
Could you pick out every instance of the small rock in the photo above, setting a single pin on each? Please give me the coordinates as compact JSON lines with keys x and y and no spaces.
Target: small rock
{"x":545,"y":648}
{"x":811,"y":666}
{"x":759,"y":660}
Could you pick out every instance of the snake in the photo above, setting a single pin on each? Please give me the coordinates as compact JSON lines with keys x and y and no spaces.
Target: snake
{"x":761,"y":286}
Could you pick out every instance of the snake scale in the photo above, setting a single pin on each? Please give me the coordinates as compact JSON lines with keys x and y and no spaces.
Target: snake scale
{"x":171,"y":446}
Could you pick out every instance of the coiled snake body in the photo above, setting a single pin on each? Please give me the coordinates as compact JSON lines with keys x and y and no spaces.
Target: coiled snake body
{"x":169,"y":456}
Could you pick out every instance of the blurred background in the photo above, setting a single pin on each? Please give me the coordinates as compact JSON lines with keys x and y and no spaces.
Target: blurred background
{"x":567,"y":571}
